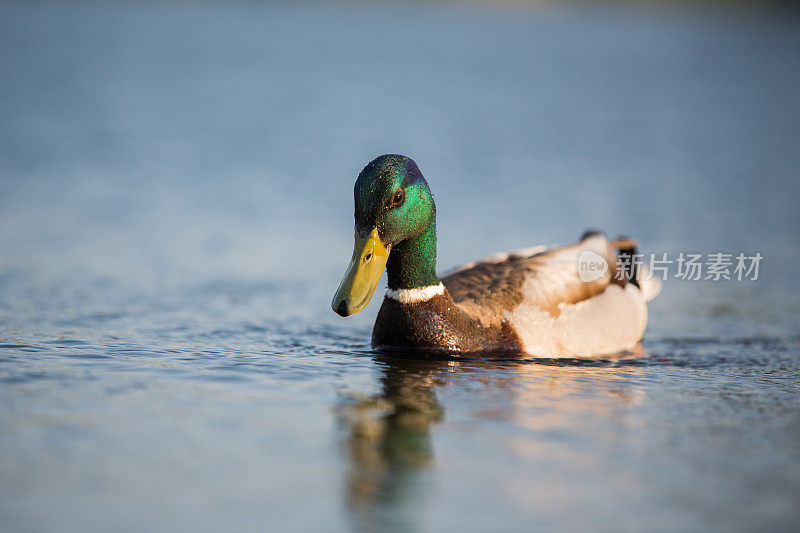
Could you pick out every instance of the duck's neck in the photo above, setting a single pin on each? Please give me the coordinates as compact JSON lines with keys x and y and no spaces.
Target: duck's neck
{"x":412,"y":262}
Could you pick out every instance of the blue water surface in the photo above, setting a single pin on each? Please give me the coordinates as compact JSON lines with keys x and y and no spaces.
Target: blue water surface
{"x":176,"y":213}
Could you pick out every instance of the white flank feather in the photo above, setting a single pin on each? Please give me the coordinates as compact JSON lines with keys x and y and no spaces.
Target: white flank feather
{"x":610,"y":322}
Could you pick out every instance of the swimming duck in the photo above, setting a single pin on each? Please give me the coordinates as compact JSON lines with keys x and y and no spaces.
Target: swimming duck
{"x":577,"y":300}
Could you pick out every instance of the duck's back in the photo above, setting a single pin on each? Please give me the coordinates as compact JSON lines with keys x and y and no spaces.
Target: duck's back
{"x":555,"y":309}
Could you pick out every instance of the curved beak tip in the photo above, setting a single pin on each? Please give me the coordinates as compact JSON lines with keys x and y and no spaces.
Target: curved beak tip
{"x":341,"y":309}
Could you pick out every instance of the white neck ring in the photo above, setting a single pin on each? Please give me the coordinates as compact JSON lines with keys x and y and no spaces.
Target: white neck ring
{"x":419,"y":294}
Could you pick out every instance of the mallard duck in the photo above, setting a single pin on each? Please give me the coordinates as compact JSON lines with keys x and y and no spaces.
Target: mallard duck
{"x":577,"y":300}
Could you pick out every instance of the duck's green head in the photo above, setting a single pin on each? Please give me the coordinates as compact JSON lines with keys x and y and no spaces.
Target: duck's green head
{"x":393,"y":205}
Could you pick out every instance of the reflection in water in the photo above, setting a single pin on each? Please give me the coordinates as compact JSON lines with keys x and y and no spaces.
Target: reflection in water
{"x":388,"y":441}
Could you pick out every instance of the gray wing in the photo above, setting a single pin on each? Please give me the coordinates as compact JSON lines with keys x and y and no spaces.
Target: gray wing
{"x":487,"y":289}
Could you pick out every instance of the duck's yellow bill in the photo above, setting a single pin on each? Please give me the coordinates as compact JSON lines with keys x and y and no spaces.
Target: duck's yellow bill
{"x":362,"y":276}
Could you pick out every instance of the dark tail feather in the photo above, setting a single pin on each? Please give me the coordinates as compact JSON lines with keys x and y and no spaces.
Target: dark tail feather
{"x":634,"y":269}
{"x":627,"y":262}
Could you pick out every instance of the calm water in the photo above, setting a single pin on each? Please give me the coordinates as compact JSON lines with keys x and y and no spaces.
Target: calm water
{"x":176,"y":212}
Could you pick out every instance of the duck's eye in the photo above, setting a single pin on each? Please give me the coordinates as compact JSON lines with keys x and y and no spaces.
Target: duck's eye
{"x":398,"y":198}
